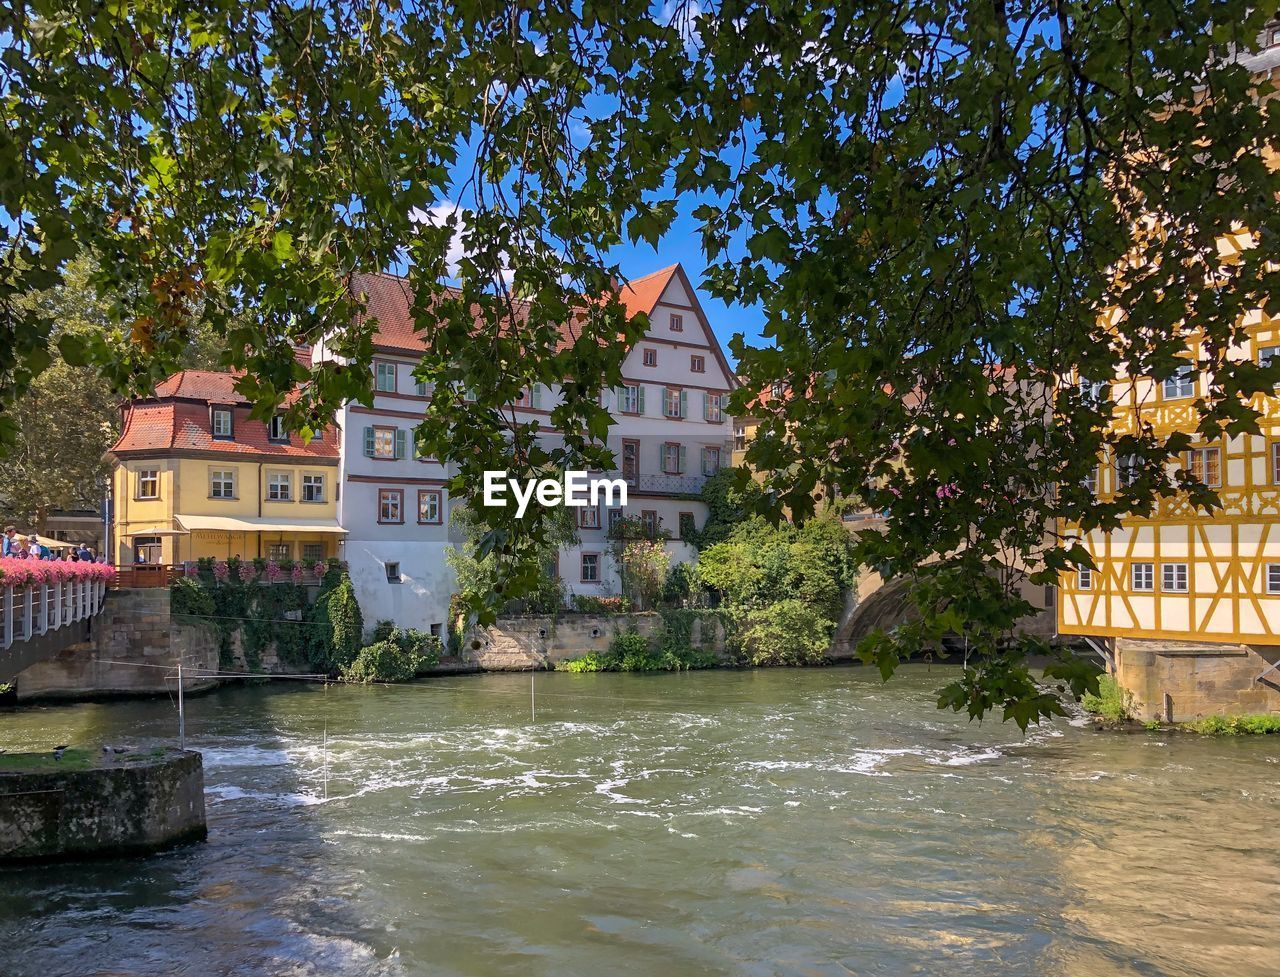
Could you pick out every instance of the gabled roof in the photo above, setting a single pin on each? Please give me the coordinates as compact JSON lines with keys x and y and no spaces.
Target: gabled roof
{"x":177,"y":419}
{"x":642,"y":294}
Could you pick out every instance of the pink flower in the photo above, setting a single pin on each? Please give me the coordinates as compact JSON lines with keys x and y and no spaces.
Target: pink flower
{"x":320,"y":569}
{"x":221,"y":572}
{"x":48,"y":573}
{"x":247,"y":572}
{"x":274,"y":572}
{"x":190,"y":570}
{"x":295,"y":573}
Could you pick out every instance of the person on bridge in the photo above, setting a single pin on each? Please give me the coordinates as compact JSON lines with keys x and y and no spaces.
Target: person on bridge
{"x":7,"y":544}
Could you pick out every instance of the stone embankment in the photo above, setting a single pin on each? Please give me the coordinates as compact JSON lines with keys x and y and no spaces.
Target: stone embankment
{"x":94,"y":804}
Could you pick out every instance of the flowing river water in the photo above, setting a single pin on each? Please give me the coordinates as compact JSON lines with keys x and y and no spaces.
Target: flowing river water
{"x":810,"y":823}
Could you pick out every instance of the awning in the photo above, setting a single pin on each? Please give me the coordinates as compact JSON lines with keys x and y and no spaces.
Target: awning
{"x":155,"y":531}
{"x":258,"y":524}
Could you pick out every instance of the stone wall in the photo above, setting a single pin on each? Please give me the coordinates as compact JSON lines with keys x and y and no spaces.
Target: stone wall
{"x":121,"y":806}
{"x":133,"y":633}
{"x":1178,"y":681}
{"x":523,"y":643}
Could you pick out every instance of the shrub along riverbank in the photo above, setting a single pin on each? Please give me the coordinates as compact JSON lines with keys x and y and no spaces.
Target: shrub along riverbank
{"x":1113,"y":706}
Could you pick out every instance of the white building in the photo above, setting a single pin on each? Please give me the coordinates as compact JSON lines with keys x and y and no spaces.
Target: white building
{"x":671,"y":431}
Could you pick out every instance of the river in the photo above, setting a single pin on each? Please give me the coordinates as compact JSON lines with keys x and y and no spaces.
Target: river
{"x":812,"y":823}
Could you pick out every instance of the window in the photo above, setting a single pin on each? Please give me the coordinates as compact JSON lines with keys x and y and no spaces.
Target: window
{"x":1206,"y":465}
{"x":222,"y":422}
{"x":687,"y":526}
{"x":1181,"y":384}
{"x":1267,"y":355}
{"x":650,"y":357}
{"x":280,"y":486}
{"x":429,"y":507}
{"x":222,"y":483}
{"x":393,"y":571}
{"x":649,"y":522}
{"x":1094,"y":392}
{"x":435,"y":630}
{"x":391,"y":505}
{"x":589,"y":517}
{"x":590,"y":567}
{"x":673,"y":403}
{"x":631,"y":399}
{"x":146,"y":549}
{"x":1275,"y":463}
{"x":710,"y":461}
{"x":673,"y":458}
{"x":420,"y":388}
{"x":312,"y":488}
{"x":313,"y":552}
{"x":1273,"y":578}
{"x":1128,"y":469}
{"x":713,"y":407}
{"x":469,"y":395}
{"x":777,"y":389}
{"x":1173,"y":578}
{"x":1142,"y":576}
{"x":697,"y":364}
{"x":739,"y":439}
{"x":275,"y":429}
{"x":278,"y":552}
{"x":677,"y":323}
{"x":384,"y":377}
{"x":1090,"y":481}
{"x":1084,"y":579}
{"x":384,"y":442}
{"x":615,"y":516}
{"x":149,"y":484}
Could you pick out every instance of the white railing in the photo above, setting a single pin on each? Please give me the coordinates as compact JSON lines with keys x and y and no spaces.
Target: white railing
{"x":26,"y":612}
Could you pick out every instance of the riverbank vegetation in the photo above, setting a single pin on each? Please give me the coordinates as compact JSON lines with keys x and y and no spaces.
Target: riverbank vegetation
{"x":316,"y":626}
{"x":1113,"y":703}
{"x":1263,"y":724}
{"x":394,"y":655}
{"x":631,"y":651}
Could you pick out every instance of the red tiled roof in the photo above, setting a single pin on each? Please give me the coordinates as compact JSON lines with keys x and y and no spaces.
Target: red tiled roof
{"x":642,"y":294}
{"x":206,"y":385}
{"x":390,"y":299}
{"x":178,"y":419}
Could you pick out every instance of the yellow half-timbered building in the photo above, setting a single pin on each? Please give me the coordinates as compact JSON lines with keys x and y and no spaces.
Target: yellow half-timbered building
{"x":1184,"y":573}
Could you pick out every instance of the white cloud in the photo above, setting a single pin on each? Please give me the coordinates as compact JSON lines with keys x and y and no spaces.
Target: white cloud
{"x":441,"y":215}
{"x":682,"y":17}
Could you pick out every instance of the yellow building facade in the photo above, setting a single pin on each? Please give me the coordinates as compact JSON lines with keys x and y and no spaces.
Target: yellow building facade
{"x":194,"y":476}
{"x":1185,"y":574}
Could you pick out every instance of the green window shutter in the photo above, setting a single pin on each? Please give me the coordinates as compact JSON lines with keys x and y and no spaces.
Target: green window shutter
{"x":535,"y":396}
{"x":684,"y":403}
{"x":368,"y":442}
{"x":640,"y":402}
{"x":401,"y":450}
{"x":683,"y":466}
{"x":620,"y":399}
{"x":706,"y":406}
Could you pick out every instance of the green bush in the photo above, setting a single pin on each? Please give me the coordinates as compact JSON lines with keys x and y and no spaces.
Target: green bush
{"x":382,"y":661}
{"x":789,"y":632}
{"x":1237,"y":725}
{"x":631,"y":651}
{"x":382,"y":631}
{"x":1113,"y":702}
{"x":341,"y":610}
{"x":191,"y":603}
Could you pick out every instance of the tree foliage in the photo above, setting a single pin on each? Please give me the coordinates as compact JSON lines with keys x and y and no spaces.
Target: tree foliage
{"x":948,"y":212}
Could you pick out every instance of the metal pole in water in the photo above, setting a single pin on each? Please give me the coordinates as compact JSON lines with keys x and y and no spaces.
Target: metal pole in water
{"x":326,"y":759}
{"x":533,"y":712}
{"x":182,"y":713}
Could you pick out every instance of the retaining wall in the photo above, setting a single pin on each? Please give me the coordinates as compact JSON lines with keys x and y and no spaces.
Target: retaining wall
{"x":1176,"y":681}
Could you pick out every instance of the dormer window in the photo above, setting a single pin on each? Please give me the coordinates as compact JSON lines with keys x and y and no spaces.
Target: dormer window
{"x":221,"y":422}
{"x":384,"y":377}
{"x":276,"y":430}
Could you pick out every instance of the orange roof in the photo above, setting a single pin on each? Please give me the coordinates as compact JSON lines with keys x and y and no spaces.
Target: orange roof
{"x":178,"y":419}
{"x":642,"y":294}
